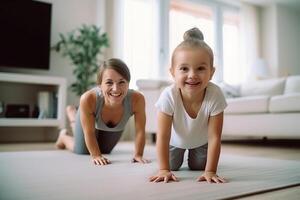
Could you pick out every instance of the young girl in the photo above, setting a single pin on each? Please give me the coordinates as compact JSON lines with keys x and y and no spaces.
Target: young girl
{"x":190,"y":113}
{"x":103,"y":114}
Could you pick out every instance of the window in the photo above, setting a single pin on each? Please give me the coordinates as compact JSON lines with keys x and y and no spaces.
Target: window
{"x":153,"y":28}
{"x":220,"y":27}
{"x":232,"y":70}
{"x":184,"y":16}
{"x":138,"y":39}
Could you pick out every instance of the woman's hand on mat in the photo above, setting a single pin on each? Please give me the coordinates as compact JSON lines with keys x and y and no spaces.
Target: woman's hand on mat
{"x":100,"y":160}
{"x":140,"y":159}
{"x":163,"y":175}
{"x":211,"y":177}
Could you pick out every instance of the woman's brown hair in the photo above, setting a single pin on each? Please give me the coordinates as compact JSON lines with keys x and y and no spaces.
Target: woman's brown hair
{"x":116,"y":64}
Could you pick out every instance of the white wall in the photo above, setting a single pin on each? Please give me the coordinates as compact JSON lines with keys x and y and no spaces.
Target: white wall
{"x":288,"y":41}
{"x":280,"y":39}
{"x":114,"y":26}
{"x":66,"y":16}
{"x":269,"y":38}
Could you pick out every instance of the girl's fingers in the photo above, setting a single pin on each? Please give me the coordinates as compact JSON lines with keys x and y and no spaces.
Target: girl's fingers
{"x":216,"y":179}
{"x":222,"y":180}
{"x":140,"y":160}
{"x":152,"y":178}
{"x":159,"y":179}
{"x":166,"y":179}
{"x":201,"y":178}
{"x":174,"y":177}
{"x":209,"y":180}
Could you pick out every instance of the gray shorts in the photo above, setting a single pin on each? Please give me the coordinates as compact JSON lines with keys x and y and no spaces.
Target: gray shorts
{"x":197,"y":157}
{"x":106,"y":140}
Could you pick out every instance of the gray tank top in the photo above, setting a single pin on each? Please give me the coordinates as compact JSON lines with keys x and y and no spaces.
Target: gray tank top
{"x":100,"y":125}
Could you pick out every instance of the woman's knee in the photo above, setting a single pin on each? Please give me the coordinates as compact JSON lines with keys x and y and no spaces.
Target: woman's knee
{"x":106,"y":149}
{"x":80,"y":150}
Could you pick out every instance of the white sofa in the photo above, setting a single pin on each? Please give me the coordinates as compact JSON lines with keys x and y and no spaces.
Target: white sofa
{"x":264,"y":109}
{"x":151,"y":90}
{"x":259,"y":109}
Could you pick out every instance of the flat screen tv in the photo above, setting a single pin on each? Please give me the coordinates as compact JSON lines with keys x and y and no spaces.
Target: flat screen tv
{"x":25,"y":34}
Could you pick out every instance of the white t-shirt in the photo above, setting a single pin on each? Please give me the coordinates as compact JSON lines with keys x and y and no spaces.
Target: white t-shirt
{"x":189,"y":133}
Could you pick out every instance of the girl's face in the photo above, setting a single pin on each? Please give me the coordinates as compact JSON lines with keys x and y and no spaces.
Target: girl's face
{"x":114,"y":87}
{"x":192,"y":70}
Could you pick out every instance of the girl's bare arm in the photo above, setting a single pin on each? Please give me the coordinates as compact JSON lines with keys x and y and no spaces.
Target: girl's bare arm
{"x":162,"y":145}
{"x":215,"y":125}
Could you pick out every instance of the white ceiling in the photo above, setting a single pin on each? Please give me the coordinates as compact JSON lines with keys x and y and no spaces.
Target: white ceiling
{"x":294,"y":4}
{"x":289,"y":3}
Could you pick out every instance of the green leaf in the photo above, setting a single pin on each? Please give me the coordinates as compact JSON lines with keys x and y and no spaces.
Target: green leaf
{"x":83,"y":47}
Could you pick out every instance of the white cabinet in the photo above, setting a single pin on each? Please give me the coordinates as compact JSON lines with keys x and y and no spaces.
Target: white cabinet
{"x":24,"y":89}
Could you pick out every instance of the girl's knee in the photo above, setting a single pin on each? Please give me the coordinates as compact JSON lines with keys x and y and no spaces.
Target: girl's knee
{"x":174,"y":167}
{"x":197,"y":165}
{"x":175,"y":164}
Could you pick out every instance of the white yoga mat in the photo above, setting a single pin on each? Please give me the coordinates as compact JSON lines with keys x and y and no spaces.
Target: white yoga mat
{"x":38,"y":175}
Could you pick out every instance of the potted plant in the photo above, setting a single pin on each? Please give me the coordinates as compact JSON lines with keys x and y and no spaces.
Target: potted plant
{"x":83,"y":46}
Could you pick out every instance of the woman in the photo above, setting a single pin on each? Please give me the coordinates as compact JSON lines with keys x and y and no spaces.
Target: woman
{"x":103,"y":114}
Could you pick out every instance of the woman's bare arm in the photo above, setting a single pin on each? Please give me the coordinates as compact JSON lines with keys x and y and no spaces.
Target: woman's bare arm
{"x":140,"y":122}
{"x":87,"y":119}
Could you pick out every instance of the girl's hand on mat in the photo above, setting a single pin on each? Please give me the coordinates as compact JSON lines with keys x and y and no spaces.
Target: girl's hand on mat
{"x":100,"y":160}
{"x":163,"y":175}
{"x":211,"y":177}
{"x":140,"y":159}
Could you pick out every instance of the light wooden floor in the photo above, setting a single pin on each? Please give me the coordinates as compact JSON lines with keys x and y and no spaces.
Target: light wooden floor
{"x":277,"y":149}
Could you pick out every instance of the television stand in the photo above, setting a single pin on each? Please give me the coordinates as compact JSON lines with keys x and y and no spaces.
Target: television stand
{"x":24,"y":89}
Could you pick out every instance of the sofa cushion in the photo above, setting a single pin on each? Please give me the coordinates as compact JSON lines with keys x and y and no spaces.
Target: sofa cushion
{"x":292,"y":85}
{"x":269,"y":87}
{"x":285,"y":103}
{"x":152,"y":83}
{"x":251,"y":104}
{"x":229,"y":91}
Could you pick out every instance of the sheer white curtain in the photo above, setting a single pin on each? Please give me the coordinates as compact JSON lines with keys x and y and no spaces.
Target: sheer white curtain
{"x":140,"y":49}
{"x":250,"y":48}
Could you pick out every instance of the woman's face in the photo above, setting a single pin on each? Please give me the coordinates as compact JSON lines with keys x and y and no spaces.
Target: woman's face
{"x":114,"y":87}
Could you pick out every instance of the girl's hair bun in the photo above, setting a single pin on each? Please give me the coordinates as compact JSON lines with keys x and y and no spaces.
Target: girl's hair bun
{"x":193,"y":34}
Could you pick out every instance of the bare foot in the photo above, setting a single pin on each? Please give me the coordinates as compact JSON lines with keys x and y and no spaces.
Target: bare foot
{"x":71,"y":113}
{"x":59,"y":144}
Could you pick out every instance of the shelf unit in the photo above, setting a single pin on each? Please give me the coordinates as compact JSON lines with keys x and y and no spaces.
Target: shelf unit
{"x":26,"y":87}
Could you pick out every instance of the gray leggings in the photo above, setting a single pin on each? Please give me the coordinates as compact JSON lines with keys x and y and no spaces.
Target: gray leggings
{"x":106,"y":140}
{"x":196,"y":158}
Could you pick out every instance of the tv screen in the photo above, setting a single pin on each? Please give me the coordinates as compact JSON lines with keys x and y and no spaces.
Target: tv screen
{"x":25,"y":34}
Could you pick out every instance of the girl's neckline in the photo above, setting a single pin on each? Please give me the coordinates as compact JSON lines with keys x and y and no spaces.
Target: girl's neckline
{"x":184,"y":108}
